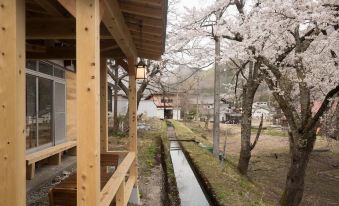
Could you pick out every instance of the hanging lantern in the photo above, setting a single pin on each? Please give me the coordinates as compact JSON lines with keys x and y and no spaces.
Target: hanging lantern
{"x":141,"y":72}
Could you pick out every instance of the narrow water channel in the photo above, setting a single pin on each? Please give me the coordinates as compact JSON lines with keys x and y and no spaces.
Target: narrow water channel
{"x":190,"y":191}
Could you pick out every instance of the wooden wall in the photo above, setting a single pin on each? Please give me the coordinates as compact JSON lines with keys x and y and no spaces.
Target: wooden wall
{"x":71,"y":116}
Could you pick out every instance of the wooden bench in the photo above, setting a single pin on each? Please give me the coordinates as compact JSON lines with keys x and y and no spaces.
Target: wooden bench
{"x":52,"y":153}
{"x":65,"y":193}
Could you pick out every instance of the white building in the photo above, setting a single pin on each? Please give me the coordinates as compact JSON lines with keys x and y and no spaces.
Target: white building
{"x":258,"y":112}
{"x":149,"y":107}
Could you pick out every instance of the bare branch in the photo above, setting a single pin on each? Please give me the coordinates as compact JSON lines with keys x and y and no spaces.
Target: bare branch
{"x":323,"y":108}
{"x":258,"y":132}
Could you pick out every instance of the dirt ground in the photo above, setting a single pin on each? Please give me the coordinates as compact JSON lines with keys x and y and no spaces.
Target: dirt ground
{"x":270,"y":162}
{"x":149,"y":164}
{"x":151,"y":187}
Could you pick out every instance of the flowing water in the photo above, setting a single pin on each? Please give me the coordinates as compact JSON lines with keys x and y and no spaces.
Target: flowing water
{"x":190,"y":191}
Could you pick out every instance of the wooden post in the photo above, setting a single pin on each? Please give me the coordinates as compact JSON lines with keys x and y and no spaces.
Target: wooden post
{"x":55,"y":159}
{"x":30,"y":171}
{"x":120,"y":199}
{"x":12,"y":103}
{"x":132,"y":116}
{"x":88,"y":101}
{"x":103,"y":107}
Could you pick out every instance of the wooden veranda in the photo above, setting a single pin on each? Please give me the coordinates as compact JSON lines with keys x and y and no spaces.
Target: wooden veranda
{"x":88,"y":31}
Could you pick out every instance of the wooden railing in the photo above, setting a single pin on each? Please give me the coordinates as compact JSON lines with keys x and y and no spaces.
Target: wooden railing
{"x":117,"y":186}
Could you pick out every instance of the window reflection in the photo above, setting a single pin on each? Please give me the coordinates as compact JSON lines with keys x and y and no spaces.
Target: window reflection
{"x":45,"y":111}
{"x":31,"y":127}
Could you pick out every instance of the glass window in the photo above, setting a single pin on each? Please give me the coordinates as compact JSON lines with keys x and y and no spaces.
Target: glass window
{"x":45,"y":111}
{"x":31,"y":64}
{"x":31,"y":115}
{"x":59,"y":112}
{"x":45,"y":68}
{"x":59,"y":73}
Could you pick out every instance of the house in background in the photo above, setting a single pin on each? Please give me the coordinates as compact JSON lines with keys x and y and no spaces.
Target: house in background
{"x":205,"y":104}
{"x":152,"y":106}
{"x":262,"y":109}
{"x":146,"y":107}
{"x":166,"y":106}
{"x":256,"y":113}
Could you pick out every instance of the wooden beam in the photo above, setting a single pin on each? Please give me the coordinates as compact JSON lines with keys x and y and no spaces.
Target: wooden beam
{"x":145,"y":3}
{"x":47,"y":6}
{"x":149,"y":55}
{"x":55,"y":28}
{"x":50,"y":28}
{"x":135,"y":9}
{"x":132,"y":113}
{"x":120,"y":199}
{"x":129,"y":186}
{"x":109,"y":48}
{"x":145,"y":29}
{"x":12,"y":103}
{"x":117,"y":152}
{"x":88,"y":98}
{"x":68,"y":54}
{"x":153,"y":47}
{"x":146,"y":37}
{"x":35,"y":48}
{"x":103,"y":107}
{"x":156,"y":23}
{"x":115,"y":24}
{"x":69,"y":5}
{"x":150,"y":50}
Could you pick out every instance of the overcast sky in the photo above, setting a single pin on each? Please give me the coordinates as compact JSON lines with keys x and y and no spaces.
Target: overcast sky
{"x":195,"y":3}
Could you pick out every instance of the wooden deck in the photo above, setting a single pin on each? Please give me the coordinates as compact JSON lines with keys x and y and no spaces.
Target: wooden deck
{"x":53,"y":153}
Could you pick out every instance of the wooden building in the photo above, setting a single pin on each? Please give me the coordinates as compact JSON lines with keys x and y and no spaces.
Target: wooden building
{"x":82,"y":33}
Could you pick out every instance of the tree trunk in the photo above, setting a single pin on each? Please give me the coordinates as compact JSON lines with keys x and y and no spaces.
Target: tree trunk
{"x":126,"y":115}
{"x":301,"y":147}
{"x":115,"y":110}
{"x":249,"y":90}
{"x":246,"y":123}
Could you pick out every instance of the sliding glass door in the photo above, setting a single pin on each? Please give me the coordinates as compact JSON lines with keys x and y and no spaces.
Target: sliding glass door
{"x":45,"y":111}
{"x":45,"y":108}
{"x":31,"y":112}
{"x":60,"y":112}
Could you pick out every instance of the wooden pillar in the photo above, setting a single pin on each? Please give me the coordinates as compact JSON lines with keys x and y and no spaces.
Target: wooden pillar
{"x":120,"y":199}
{"x":103,"y":107}
{"x":12,"y":103}
{"x":88,"y":101}
{"x":132,"y":116}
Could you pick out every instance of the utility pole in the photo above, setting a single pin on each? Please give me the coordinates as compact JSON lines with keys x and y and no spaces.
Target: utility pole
{"x":177,"y":104}
{"x":216,"y":115}
{"x":164,"y":101}
{"x":198,"y":81}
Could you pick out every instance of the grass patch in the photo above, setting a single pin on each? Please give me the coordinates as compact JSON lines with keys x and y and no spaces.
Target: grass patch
{"x":149,"y":144}
{"x":271,"y":132}
{"x":222,"y":179}
{"x":118,"y":133}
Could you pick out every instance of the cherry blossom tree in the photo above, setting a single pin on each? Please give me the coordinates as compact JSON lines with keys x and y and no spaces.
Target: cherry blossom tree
{"x":297,"y":42}
{"x":224,"y":20}
{"x":293,"y":46}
